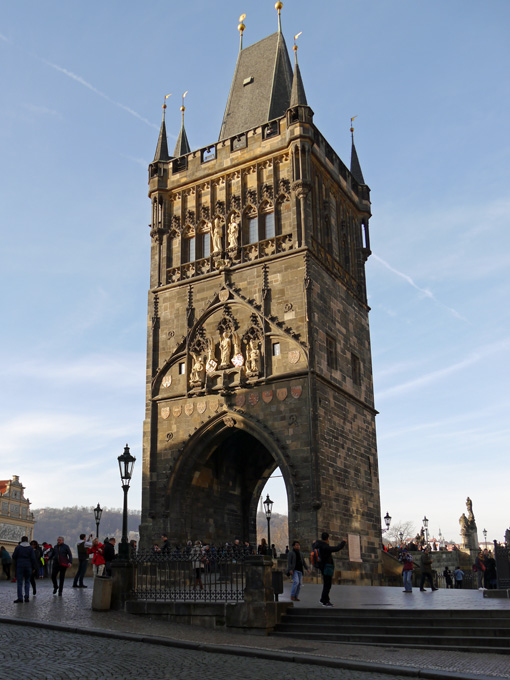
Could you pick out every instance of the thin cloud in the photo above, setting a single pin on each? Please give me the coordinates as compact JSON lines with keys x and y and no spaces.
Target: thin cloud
{"x":90,"y":87}
{"x":424,"y":291}
{"x":473,"y":358}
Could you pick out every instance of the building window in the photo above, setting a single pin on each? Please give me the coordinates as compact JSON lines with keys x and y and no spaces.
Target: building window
{"x":182,"y":368}
{"x":203,"y":245}
{"x":268,"y":226}
{"x":189,"y":250}
{"x":355,"y":369}
{"x":251,"y":230}
{"x":331,"y":352}
{"x":276,"y":349}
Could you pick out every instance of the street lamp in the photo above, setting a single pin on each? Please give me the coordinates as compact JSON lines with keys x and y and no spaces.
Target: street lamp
{"x":387,"y":521}
{"x":426,"y":527}
{"x":485,"y":537}
{"x":98,"y":511}
{"x":268,"y":507}
{"x":401,"y":536}
{"x":126,"y":463}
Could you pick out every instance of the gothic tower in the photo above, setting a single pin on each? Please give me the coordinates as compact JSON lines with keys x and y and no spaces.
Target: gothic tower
{"x":258,"y":345}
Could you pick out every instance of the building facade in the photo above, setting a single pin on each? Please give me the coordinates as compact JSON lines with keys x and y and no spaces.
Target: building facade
{"x":16,"y":520}
{"x":258,"y":350}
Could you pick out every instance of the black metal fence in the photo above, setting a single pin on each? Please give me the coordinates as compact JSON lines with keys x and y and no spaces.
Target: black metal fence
{"x":502,"y":557}
{"x":187,"y":578}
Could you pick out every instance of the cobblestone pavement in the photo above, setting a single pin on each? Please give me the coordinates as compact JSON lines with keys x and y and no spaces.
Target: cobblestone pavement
{"x":39,"y":653}
{"x":74,"y":610}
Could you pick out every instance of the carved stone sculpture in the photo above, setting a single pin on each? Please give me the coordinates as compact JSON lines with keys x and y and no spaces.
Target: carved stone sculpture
{"x":217,"y":234}
{"x":468,"y":530}
{"x":197,"y":370}
{"x":233,"y":233}
{"x":253,"y":359}
{"x":225,"y":345}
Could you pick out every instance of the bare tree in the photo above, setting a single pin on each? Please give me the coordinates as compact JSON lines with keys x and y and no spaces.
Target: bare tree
{"x":397,"y":528}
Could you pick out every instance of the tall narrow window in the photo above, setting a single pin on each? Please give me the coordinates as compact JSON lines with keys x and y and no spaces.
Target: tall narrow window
{"x":251,"y":229}
{"x":189,"y":248}
{"x":330,"y":352}
{"x":203,"y":248}
{"x":269,"y":227}
{"x":355,"y":369}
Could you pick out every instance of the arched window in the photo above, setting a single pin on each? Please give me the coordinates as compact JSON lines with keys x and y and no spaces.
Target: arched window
{"x":250,"y":227}
{"x":268,"y":226}
{"x":189,"y":249}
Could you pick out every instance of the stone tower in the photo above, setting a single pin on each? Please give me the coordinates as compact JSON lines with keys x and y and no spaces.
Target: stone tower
{"x":258,"y":345}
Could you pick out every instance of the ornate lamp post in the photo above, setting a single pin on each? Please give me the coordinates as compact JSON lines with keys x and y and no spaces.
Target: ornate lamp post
{"x":268,"y":507}
{"x":126,"y":463}
{"x":387,"y":521}
{"x":426,"y":527}
{"x":401,"y":536}
{"x":98,"y":511}
{"x":485,"y":538}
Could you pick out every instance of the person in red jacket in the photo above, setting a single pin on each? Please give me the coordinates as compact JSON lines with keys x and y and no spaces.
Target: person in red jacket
{"x":98,"y":560}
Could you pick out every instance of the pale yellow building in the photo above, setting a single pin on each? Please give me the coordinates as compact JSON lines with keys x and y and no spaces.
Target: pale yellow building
{"x":16,"y":520}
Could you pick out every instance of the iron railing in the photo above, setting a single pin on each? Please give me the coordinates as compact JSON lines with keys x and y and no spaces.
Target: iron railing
{"x":177,"y":577}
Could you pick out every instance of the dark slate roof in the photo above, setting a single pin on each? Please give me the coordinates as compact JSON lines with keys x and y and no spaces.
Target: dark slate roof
{"x":182,"y":146}
{"x":162,"y":146}
{"x":355,"y":166}
{"x":267,"y":95}
{"x":297,"y":96}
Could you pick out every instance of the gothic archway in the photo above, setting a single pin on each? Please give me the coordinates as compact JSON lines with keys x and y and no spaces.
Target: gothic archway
{"x":218,"y":478}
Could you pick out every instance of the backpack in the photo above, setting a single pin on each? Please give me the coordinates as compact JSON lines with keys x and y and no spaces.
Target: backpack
{"x":315,"y":558}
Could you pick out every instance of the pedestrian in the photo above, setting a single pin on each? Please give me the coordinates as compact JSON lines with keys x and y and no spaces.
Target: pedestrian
{"x":62,"y":560}
{"x":426,"y":569}
{"x":326,"y":565}
{"x":109,"y":555}
{"x":407,"y":571}
{"x":458,"y":575}
{"x":296,"y":565}
{"x":24,"y":559}
{"x":448,"y":577}
{"x":6,"y":562}
{"x":165,"y":544}
{"x":82,"y":547}
{"x":479,"y":568}
{"x":263,"y":547}
{"x":491,"y":577}
{"x":97,"y":557}
{"x":197,"y":557}
{"x":48,"y":560}
{"x":35,"y":573}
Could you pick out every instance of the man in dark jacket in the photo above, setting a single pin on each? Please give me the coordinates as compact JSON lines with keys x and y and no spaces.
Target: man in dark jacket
{"x":62,"y":559}
{"x":109,"y":555}
{"x":327,"y":565}
{"x":24,"y":558}
{"x":296,"y":565}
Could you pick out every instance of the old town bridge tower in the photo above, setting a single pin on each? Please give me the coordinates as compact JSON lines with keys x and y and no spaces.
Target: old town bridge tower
{"x":258,"y":346}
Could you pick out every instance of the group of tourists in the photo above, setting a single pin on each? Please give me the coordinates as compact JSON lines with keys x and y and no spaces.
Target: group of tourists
{"x":32,"y":561}
{"x":224,"y":550}
{"x":484,"y":568}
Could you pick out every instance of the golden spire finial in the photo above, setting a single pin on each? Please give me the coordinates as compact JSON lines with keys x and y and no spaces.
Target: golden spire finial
{"x":278,"y":6}
{"x":241,"y":28}
{"x":164,"y":104}
{"x":352,"y":127}
{"x":183,"y":108}
{"x":295,"y":48}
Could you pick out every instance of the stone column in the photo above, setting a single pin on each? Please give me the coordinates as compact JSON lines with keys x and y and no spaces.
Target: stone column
{"x":122,"y":575}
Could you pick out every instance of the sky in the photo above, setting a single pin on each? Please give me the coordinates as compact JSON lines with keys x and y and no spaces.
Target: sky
{"x":80,"y":110}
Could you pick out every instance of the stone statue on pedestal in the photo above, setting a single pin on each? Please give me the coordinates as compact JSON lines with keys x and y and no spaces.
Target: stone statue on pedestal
{"x":468,"y":530}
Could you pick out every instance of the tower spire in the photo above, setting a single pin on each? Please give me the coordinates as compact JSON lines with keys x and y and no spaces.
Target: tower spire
{"x":355,"y":164}
{"x":297,"y":95}
{"x":182,"y":146}
{"x":162,"y":145}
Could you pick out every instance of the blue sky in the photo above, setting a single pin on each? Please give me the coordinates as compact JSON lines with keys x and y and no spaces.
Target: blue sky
{"x":80,"y":108}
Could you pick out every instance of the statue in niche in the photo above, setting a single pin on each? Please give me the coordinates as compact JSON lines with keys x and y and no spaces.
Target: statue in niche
{"x":468,"y":529}
{"x":197,"y":369}
{"x":233,"y":232}
{"x":238,"y":358}
{"x":217,"y":234}
{"x":211,"y":364}
{"x":253,"y":358}
{"x":225,"y":345}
